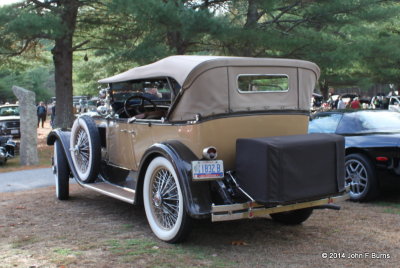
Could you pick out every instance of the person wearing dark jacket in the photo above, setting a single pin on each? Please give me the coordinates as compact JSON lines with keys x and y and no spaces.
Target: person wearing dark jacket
{"x":41,"y":113}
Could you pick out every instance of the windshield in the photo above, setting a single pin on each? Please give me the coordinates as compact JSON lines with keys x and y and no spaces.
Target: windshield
{"x":325,"y":123}
{"x":9,"y":111}
{"x":369,"y":122}
{"x":154,"y":89}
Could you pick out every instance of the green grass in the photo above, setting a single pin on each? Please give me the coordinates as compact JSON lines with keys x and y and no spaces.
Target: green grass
{"x":66,"y":252}
{"x":163,"y":255}
{"x":388,"y":207}
{"x":23,"y":241}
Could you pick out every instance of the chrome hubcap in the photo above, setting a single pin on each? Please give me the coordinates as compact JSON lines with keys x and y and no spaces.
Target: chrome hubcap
{"x":164,"y":194}
{"x":157,"y":200}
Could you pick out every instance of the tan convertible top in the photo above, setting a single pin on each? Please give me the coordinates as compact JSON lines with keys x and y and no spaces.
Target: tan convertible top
{"x":210,"y":84}
{"x":182,"y":67}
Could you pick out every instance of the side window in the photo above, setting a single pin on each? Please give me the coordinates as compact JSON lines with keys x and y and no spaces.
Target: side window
{"x":253,"y":83}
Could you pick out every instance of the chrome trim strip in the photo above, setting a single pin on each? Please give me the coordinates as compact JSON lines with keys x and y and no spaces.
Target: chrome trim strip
{"x":249,"y":210}
{"x":119,"y":197}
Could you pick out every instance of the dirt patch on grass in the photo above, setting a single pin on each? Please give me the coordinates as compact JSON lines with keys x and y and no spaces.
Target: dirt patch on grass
{"x":91,"y":230}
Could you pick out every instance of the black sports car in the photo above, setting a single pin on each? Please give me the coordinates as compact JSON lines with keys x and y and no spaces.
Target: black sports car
{"x":372,"y":146}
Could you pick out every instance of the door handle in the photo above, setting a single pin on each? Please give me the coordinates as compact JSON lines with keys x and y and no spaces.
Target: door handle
{"x":128,"y":131}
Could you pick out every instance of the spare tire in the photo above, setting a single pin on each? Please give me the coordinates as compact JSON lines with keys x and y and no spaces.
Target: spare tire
{"x":85,"y":148}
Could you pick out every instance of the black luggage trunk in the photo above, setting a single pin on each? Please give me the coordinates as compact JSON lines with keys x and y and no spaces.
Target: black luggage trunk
{"x":288,"y":169}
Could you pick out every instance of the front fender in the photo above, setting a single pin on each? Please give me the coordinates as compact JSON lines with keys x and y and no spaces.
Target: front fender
{"x":64,"y":138}
{"x":197,"y":194}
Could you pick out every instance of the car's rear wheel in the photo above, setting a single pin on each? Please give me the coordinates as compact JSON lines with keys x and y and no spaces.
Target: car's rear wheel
{"x":292,"y":217}
{"x":60,"y":171}
{"x":85,"y":148}
{"x":164,"y":202}
{"x":360,"y":177}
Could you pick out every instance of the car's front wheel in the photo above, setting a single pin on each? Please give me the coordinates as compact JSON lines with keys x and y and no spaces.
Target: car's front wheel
{"x":61,"y":172}
{"x":292,"y":217}
{"x":164,"y":202}
{"x":360,"y":177}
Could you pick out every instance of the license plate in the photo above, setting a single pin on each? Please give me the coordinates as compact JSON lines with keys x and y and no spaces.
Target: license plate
{"x":14,"y":131}
{"x":205,"y":170}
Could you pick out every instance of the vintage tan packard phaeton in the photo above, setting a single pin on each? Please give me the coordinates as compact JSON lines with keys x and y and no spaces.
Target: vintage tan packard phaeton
{"x":197,"y":137}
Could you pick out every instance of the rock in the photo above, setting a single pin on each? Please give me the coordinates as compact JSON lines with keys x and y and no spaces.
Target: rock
{"x":28,"y":124}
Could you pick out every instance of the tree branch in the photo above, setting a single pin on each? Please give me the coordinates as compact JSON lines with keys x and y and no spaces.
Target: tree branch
{"x":80,"y":45}
{"x":46,"y":5}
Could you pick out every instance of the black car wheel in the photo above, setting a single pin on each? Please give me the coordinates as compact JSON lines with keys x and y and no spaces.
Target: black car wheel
{"x":292,"y":217}
{"x":61,"y":172}
{"x":360,"y":177}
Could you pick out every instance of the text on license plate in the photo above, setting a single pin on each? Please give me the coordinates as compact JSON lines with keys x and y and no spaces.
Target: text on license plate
{"x":207,"y":169}
{"x":14,"y":131}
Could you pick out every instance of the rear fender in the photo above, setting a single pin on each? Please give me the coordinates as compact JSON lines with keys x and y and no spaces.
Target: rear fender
{"x":197,"y":194}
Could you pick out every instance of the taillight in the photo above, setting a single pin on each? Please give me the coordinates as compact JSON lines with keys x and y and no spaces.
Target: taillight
{"x":210,"y":153}
{"x":382,"y":158}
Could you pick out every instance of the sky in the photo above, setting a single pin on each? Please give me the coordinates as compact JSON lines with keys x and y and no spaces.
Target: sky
{"x":7,"y":2}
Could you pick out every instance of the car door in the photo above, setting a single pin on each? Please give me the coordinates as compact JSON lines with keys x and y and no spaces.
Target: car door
{"x":120,"y":146}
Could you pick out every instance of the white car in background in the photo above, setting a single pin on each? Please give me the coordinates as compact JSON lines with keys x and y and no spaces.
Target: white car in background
{"x":9,"y":120}
{"x":394,"y":103}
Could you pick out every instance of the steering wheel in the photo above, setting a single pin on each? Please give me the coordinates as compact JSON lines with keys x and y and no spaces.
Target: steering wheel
{"x":138,"y":108}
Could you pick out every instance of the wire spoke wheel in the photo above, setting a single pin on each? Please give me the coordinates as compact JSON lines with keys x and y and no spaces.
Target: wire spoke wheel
{"x":85,"y":148}
{"x":164,"y":202}
{"x":165,"y":199}
{"x":82,"y":150}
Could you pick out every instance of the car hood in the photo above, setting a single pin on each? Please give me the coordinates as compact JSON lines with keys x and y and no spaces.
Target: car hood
{"x":7,"y":118}
{"x":373,"y":140}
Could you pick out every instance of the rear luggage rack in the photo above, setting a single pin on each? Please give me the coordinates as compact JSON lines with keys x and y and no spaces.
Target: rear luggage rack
{"x":250,"y":210}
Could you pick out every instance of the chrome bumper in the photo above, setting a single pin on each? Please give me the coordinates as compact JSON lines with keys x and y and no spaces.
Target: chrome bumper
{"x":250,"y":210}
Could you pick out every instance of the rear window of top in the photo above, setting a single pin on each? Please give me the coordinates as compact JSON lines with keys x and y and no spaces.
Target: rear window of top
{"x":256,"y":83}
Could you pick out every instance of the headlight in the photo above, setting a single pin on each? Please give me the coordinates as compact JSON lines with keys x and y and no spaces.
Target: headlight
{"x":3,"y":125}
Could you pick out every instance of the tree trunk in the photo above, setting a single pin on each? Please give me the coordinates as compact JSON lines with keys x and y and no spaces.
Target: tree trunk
{"x":324,"y":88}
{"x":62,"y":58}
{"x":175,"y":41}
{"x":252,"y":18}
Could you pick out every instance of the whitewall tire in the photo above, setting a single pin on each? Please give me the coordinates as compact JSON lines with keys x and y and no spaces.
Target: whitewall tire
{"x":85,"y":148}
{"x":164,"y":202}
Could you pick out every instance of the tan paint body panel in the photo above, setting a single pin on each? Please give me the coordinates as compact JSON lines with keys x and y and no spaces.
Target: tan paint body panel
{"x":127,"y":149}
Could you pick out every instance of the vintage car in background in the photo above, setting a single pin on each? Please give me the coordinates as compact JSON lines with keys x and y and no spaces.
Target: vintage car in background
{"x":372,"y":147}
{"x":194,"y":137}
{"x":7,"y":148}
{"x":9,"y":120}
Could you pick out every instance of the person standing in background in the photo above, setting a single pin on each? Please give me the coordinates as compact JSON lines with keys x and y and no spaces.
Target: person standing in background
{"x":355,"y":104}
{"x":41,"y":113}
{"x":341,"y":104}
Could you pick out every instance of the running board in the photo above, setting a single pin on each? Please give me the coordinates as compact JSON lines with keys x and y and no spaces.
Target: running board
{"x":115,"y":191}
